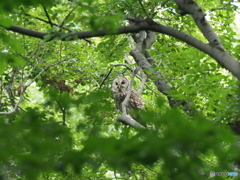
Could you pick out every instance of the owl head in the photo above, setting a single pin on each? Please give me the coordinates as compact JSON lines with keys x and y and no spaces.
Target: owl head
{"x":120,"y":85}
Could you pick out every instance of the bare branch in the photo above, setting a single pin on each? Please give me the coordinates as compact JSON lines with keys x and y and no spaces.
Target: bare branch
{"x":27,"y":85}
{"x":129,"y":91}
{"x":105,"y":78}
{"x":10,"y":94}
{"x":141,"y":87}
{"x":144,"y":59}
{"x":157,"y":77}
{"x":222,"y":57}
{"x":165,"y":2}
{"x":151,"y":169}
{"x":149,"y":40}
{"x":63,"y":27}
{"x":122,"y":64}
{"x":216,"y":9}
{"x":15,"y":107}
{"x":127,"y":60}
{"x":191,"y":7}
{"x":45,"y":69}
{"x":63,"y":110}
{"x":63,"y":22}
{"x":43,"y":20}
{"x":49,"y":19}
{"x":31,"y":71}
{"x":127,"y":119}
{"x":144,"y":10}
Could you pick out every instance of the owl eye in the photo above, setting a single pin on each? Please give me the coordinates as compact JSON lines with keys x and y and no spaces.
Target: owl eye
{"x":123,"y":82}
{"x":116,"y":83}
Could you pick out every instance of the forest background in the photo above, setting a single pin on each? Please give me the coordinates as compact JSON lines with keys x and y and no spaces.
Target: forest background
{"x":57,"y":62}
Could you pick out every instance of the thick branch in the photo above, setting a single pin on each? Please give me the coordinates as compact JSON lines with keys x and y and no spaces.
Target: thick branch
{"x":222,"y":57}
{"x":190,"y":7}
{"x":79,"y":35}
{"x":127,"y":119}
{"x":147,"y":43}
{"x":149,"y":40}
{"x":143,"y":58}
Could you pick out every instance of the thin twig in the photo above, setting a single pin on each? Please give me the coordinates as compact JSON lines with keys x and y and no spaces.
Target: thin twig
{"x":10,"y":94}
{"x":105,"y":78}
{"x":216,"y":9}
{"x":27,"y":85}
{"x":45,"y":21}
{"x":63,"y":112}
{"x":165,"y":2}
{"x":144,"y":10}
{"x":15,"y":107}
{"x":49,"y":19}
{"x":151,"y":169}
{"x":45,"y":69}
{"x":64,"y":20}
{"x":95,"y":80}
{"x":122,"y":64}
{"x":28,"y":77}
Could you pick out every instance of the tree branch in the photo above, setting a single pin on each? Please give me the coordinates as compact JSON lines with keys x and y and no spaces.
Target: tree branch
{"x":15,"y":107}
{"x":27,"y":85}
{"x":223,"y":58}
{"x":127,"y":119}
{"x":43,"y":20}
{"x":10,"y":94}
{"x":65,"y":19}
{"x":144,"y":10}
{"x":49,"y":19}
{"x":122,"y":64}
{"x":127,"y":98}
{"x":105,"y":78}
{"x":45,"y":69}
{"x":143,"y":81}
{"x":124,"y":117}
{"x":69,"y":30}
{"x":144,"y":40}
{"x":192,"y":8}
{"x":63,"y":110}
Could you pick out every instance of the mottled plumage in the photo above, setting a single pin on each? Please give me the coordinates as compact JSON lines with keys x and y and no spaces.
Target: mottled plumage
{"x":120,"y":88}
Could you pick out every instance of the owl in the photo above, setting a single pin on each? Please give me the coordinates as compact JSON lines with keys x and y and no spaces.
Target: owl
{"x":120,"y":88}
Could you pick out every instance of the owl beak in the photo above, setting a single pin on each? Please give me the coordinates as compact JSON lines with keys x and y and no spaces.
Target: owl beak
{"x":119,"y":87}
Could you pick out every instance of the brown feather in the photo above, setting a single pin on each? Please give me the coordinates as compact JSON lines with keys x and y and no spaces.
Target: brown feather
{"x":135,"y":100}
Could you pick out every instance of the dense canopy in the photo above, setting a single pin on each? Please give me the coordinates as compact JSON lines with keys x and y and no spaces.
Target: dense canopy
{"x":58,"y":60}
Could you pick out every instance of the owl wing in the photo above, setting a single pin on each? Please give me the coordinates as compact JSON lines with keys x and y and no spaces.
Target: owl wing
{"x":135,"y":101}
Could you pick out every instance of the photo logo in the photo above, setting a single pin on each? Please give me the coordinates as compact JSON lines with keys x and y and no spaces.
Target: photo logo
{"x":212,"y":173}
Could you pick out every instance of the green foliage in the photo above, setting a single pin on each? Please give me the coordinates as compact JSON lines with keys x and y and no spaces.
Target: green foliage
{"x":66,"y":129}
{"x":33,"y":143}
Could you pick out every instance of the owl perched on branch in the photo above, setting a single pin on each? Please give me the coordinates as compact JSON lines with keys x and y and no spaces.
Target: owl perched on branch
{"x":120,"y":89}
